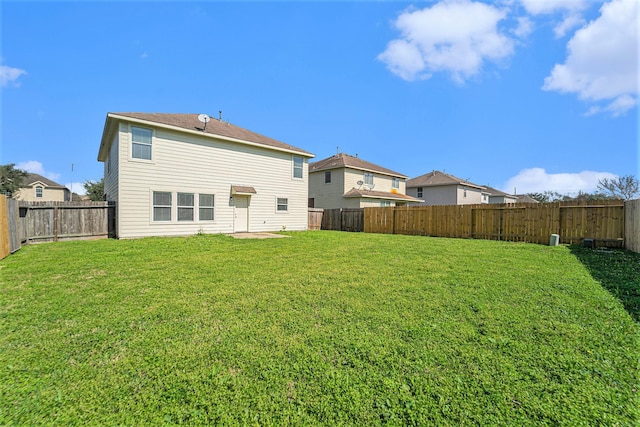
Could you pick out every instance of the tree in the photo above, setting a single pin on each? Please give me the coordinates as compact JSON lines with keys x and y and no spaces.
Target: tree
{"x":95,"y":190}
{"x":11,"y":179}
{"x":546,"y":196}
{"x":624,"y":187}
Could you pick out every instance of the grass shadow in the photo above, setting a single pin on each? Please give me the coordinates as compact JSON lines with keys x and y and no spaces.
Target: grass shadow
{"x":618,"y":271}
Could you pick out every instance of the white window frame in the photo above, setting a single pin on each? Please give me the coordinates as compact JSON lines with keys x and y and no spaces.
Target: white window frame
{"x":279,"y":203}
{"x":368,"y":178}
{"x":40,"y":192}
{"x":154,"y":206}
{"x":395,"y":182}
{"x":296,"y":168}
{"x":385,"y":203}
{"x":184,"y":208}
{"x":212,"y":208}
{"x":419,"y":192}
{"x":134,"y":143}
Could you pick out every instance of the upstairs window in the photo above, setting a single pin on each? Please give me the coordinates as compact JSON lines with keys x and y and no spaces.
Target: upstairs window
{"x":327,"y":177}
{"x":39,"y":191}
{"x":185,"y":206}
{"x":297,"y":167}
{"x":368,"y":178}
{"x":395,"y":182}
{"x":419,"y":192}
{"x":141,"y":143}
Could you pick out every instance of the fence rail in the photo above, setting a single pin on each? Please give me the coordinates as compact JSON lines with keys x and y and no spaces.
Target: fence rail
{"x":534,"y":223}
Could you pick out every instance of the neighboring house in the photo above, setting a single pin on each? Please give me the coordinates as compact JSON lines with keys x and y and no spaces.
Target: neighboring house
{"x":173,"y":174}
{"x":344,"y":181}
{"x":523,"y":198}
{"x":497,"y":196}
{"x":439,"y":188}
{"x":40,"y":189}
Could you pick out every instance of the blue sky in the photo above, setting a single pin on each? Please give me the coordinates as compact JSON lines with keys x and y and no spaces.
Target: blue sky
{"x":527,"y":94}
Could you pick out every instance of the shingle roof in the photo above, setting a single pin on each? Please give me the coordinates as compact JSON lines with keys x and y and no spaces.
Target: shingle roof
{"x":354,"y":192}
{"x":495,"y":192}
{"x":436,"y":178}
{"x":523,"y":198}
{"x":342,"y":160}
{"x":213,"y":127}
{"x":32,"y":178}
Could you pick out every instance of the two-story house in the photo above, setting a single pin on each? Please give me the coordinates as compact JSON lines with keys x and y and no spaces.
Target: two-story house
{"x":439,"y":188}
{"x":344,"y":181}
{"x":181,"y":174}
{"x":500,"y":197}
{"x":37,"y":188}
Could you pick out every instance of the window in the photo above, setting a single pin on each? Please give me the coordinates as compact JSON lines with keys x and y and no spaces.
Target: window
{"x":185,"y":206}
{"x":464,"y":194}
{"x":297,"y":167}
{"x":205,"y":203}
{"x":419,"y":192}
{"x":395,"y":182}
{"x":39,"y":191}
{"x":385,"y":203}
{"x":141,"y":143}
{"x":161,"y":206}
{"x":282,"y":205}
{"x":368,"y":178}
{"x":327,"y":177}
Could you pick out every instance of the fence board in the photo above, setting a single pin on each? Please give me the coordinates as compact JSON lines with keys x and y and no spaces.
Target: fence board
{"x":315,"y":218}
{"x":632,"y":225}
{"x":4,"y":228}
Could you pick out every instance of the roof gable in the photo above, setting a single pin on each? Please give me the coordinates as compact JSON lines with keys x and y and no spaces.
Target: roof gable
{"x":34,"y":178}
{"x":342,"y":160}
{"x":190,"y":123}
{"x":436,"y":178}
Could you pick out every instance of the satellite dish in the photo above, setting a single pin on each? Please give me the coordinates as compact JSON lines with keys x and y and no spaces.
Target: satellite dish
{"x":360,"y":182}
{"x":204,"y":119}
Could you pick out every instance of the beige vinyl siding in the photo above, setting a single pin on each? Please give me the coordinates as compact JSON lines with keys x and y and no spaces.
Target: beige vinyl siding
{"x":202,"y":165}
{"x":328,"y":195}
{"x":474,"y":195}
{"x":28,"y":194}
{"x":436,"y":195}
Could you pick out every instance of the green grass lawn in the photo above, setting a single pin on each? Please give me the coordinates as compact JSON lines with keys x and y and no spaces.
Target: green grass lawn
{"x":321,"y":328}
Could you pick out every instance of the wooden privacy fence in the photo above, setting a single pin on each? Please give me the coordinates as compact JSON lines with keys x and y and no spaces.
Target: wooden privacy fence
{"x":632,"y":225}
{"x":53,"y":221}
{"x":343,"y":219}
{"x":534,"y":223}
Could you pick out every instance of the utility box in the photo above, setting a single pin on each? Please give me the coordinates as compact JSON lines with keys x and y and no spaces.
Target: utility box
{"x":554,"y":240}
{"x":589,"y":243}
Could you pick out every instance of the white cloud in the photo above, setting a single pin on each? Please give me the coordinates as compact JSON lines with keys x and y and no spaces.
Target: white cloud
{"x":571,"y":11}
{"x":34,"y":166}
{"x":602,"y":65}
{"x":537,"y":180}
{"x":10,"y":75}
{"x":454,"y":36}
{"x":524,"y":28}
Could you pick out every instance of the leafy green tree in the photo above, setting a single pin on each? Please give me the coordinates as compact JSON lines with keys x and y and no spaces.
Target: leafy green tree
{"x":95,"y":190}
{"x":546,"y":196}
{"x":11,"y":179}
{"x":625,"y":187}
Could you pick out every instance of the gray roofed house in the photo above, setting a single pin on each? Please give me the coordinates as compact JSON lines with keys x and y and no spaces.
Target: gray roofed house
{"x":497,"y":196}
{"x":37,"y":188}
{"x":345,"y":181}
{"x":439,"y":188}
